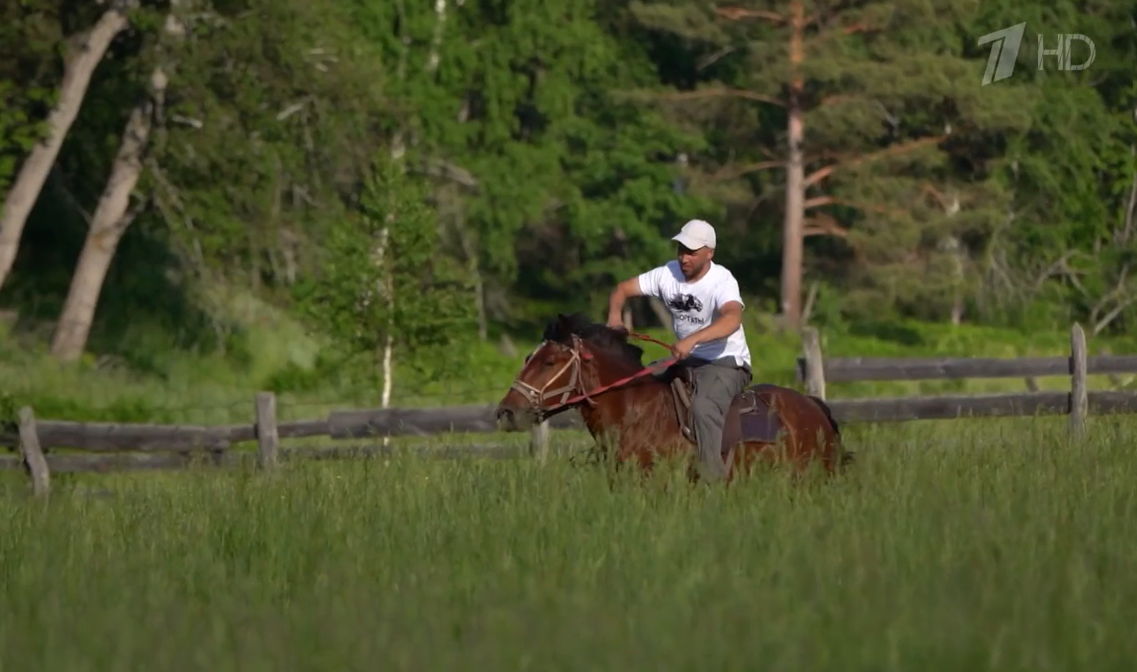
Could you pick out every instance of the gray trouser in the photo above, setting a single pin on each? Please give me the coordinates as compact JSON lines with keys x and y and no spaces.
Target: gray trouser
{"x":717,"y":383}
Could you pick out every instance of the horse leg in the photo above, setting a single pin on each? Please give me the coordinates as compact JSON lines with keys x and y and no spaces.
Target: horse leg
{"x":746,"y":456}
{"x":787,"y":449}
{"x":630,"y":452}
{"x":646,"y":461}
{"x":823,"y":445}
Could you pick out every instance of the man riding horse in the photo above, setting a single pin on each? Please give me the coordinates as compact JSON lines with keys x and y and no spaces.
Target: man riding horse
{"x":706,"y":315}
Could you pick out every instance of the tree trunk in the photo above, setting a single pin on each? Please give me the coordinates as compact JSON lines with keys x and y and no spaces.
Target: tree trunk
{"x":470,"y":252}
{"x":388,"y":349}
{"x":479,"y":291}
{"x":107,"y":226}
{"x":436,"y":43}
{"x":661,"y":313}
{"x":793,"y":227}
{"x":954,"y":248}
{"x":959,"y":278}
{"x":36,"y":167}
{"x":397,"y":152}
{"x":386,"y":291}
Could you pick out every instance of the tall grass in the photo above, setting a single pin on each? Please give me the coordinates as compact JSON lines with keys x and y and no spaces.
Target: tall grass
{"x":993,"y":545}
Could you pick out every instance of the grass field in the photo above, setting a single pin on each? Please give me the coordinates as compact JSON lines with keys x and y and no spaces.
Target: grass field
{"x":986,"y":545}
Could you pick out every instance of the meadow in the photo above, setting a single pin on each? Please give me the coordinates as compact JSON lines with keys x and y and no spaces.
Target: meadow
{"x":977,"y":545}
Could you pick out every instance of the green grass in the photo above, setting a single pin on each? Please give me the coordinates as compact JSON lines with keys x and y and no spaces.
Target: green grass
{"x":984,"y":545}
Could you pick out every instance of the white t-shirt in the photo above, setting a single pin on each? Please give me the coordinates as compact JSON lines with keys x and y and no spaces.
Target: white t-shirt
{"x":695,"y":305}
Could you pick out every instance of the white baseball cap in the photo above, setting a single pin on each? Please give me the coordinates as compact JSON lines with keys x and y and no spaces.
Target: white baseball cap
{"x":696,"y":234}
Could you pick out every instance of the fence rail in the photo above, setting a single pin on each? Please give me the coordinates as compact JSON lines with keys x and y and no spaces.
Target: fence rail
{"x":852,"y":369}
{"x":118,"y":446}
{"x":122,"y":462}
{"x":113,"y":436}
{"x":814,"y":371}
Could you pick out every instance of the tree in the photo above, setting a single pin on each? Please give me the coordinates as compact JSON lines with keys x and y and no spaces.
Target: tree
{"x":564,"y":188}
{"x":382,"y":283}
{"x":1064,"y":249}
{"x":868,"y":95}
{"x":110,"y":220}
{"x":114,"y":212}
{"x":271,"y":125}
{"x":88,"y":50}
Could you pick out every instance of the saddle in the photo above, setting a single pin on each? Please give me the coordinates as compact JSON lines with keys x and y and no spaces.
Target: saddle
{"x":750,"y":417}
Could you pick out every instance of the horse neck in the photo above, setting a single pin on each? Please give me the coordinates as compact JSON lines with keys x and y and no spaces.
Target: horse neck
{"x":632,"y":401}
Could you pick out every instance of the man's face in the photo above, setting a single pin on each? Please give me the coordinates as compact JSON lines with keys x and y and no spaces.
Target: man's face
{"x":692,"y":262}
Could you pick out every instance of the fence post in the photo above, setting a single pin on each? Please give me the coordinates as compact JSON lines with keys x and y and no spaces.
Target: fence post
{"x":268,"y":439}
{"x":814,"y":373}
{"x":539,"y":442}
{"x":1079,"y":397}
{"x":30,"y":450}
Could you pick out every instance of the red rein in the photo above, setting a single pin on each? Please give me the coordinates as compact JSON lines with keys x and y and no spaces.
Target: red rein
{"x":659,"y":366}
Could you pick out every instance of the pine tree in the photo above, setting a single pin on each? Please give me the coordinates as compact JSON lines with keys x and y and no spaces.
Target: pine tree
{"x":872,"y":101}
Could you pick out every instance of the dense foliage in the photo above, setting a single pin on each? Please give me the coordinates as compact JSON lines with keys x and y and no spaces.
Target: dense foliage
{"x":523,"y":156}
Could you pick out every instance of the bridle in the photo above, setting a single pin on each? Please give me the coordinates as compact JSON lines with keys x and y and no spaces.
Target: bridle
{"x":538,"y":396}
{"x":578,"y":354}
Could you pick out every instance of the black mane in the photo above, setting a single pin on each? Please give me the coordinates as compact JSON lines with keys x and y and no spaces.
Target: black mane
{"x":599,"y":336}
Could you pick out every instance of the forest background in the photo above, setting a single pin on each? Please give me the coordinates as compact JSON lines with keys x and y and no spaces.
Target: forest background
{"x":367,"y":202}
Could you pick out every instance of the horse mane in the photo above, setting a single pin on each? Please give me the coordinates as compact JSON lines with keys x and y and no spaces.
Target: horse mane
{"x":600,"y":336}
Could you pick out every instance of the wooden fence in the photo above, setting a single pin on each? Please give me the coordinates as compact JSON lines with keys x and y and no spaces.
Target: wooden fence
{"x":814,"y":371}
{"x":105,"y":446}
{"x":115,"y":446}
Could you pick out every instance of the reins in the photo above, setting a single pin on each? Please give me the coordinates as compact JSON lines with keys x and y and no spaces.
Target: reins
{"x":536,"y":396}
{"x":658,"y":366}
{"x":645,"y":337}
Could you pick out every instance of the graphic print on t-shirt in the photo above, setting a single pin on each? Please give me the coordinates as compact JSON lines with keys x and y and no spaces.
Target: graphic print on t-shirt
{"x":686,"y":303}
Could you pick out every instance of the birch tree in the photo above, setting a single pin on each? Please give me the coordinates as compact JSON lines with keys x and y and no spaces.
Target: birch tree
{"x":382,"y":288}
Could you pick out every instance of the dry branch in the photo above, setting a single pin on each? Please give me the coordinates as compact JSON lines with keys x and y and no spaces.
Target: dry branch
{"x":901,"y":148}
{"x":737,"y":13}
{"x":721,"y":92}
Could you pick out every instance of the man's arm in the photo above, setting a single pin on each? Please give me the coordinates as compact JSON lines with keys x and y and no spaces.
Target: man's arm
{"x":619,"y":296}
{"x":729,"y":306}
{"x":728,"y":321}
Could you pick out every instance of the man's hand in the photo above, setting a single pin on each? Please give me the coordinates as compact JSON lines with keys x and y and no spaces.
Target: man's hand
{"x":616,"y":320}
{"x":619,"y":296}
{"x":730,"y":317}
{"x":682,"y":349}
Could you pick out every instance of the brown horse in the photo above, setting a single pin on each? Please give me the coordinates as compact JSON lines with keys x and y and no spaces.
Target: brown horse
{"x":643,"y":413}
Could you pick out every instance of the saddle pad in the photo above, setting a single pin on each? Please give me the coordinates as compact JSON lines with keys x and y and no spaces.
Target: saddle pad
{"x":750,"y":418}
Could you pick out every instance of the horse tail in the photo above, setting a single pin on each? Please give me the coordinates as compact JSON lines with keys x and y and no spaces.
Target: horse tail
{"x":828,"y":413}
{"x":846,"y":455}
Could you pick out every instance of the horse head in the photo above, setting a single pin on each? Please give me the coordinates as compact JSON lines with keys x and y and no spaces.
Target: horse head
{"x":563,"y":369}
